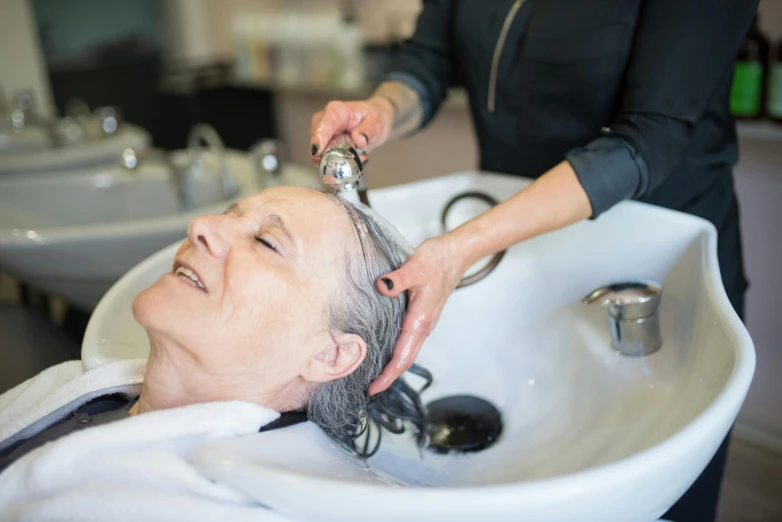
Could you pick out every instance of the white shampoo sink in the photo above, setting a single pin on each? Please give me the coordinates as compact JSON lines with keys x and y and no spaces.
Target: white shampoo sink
{"x":589,"y":435}
{"x":31,"y":160}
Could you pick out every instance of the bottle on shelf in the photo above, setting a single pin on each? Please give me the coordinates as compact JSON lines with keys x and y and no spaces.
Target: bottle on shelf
{"x":259,"y":45}
{"x":774,"y":106}
{"x":243,"y":66}
{"x":747,"y":94}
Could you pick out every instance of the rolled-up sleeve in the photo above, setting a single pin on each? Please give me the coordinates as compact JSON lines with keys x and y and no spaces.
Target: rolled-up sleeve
{"x":681,"y":51}
{"x":424,"y":62}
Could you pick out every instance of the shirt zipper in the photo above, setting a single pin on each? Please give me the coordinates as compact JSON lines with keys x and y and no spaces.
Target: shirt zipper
{"x":495,"y":60}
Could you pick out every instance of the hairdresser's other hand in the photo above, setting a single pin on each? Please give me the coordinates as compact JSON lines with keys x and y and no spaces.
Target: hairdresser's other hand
{"x":429,"y":276}
{"x":367,"y":123}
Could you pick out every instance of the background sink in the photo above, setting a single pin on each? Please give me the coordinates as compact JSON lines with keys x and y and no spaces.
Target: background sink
{"x":87,"y":154}
{"x":589,"y":435}
{"x":103,"y":195}
{"x":75,"y":233}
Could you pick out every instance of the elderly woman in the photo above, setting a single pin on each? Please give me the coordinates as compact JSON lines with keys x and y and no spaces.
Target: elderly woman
{"x":269,"y":308}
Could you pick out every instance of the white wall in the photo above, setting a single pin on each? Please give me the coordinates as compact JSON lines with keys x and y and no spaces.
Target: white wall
{"x":188,"y":32}
{"x":759,"y":187}
{"x":771,"y":18}
{"x":22,"y":64}
{"x":203,"y":28}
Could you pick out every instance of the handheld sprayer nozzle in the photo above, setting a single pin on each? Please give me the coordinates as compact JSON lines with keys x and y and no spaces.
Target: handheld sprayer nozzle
{"x":340,"y":167}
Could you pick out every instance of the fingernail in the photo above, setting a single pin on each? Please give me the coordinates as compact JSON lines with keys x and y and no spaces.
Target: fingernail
{"x":315,"y":148}
{"x":365,"y":137}
{"x":388,"y":283}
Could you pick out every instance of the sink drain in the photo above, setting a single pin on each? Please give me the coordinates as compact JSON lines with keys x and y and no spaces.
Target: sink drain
{"x":462,"y":423}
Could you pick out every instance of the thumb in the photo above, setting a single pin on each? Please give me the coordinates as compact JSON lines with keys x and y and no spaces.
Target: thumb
{"x":394,"y":283}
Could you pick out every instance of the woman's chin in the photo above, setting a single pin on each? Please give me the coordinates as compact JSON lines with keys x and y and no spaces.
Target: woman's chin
{"x":156,"y":306}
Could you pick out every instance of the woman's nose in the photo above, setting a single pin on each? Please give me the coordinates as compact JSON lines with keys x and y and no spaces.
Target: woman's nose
{"x":212,"y":233}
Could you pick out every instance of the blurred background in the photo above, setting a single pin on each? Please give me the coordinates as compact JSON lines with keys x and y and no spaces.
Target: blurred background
{"x":259,"y":69}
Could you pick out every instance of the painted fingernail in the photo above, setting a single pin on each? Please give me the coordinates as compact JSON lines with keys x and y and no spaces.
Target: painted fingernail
{"x":389,"y":284}
{"x":315,"y":148}
{"x":365,"y":137}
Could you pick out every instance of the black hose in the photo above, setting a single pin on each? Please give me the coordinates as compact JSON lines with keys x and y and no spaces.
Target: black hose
{"x":496,"y":258}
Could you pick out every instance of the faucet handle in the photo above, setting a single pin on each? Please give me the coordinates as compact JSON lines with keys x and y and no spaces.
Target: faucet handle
{"x":203,"y":132}
{"x":628,"y":300}
{"x":632,"y":315}
{"x":269,"y":156}
{"x":108,"y":120}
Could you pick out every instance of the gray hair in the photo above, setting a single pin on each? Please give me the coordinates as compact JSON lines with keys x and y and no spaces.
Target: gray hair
{"x":342,"y":407}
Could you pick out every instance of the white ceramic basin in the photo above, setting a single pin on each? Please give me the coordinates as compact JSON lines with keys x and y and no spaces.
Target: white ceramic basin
{"x":589,"y":435}
{"x":30,"y":140}
{"x":75,"y":234}
{"x":88,"y":154}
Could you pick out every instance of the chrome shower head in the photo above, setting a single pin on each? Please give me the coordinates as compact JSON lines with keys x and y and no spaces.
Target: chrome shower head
{"x":341,"y":168}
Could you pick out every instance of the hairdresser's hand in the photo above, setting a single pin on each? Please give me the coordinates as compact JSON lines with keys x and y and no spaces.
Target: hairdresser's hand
{"x":429,"y":276}
{"x":367,"y":123}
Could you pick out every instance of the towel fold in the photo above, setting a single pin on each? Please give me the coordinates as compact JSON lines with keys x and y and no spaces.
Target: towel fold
{"x":133,"y":469}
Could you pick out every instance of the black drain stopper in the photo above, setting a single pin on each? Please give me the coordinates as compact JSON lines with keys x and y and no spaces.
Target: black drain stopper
{"x":462,"y":423}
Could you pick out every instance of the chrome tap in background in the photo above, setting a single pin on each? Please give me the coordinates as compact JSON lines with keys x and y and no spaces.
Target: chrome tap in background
{"x":269,"y":157}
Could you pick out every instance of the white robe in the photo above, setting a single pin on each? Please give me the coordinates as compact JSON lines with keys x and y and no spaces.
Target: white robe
{"x":132,"y":469}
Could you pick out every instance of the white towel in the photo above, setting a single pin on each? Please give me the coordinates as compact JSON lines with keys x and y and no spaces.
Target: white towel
{"x":133,"y":469}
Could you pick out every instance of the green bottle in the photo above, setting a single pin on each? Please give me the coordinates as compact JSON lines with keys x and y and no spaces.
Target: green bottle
{"x":747,"y":95}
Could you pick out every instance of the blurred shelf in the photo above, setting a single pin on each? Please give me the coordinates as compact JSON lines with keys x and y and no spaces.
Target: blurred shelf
{"x":760,"y":131}
{"x":331,"y":92}
{"x":457,"y":96}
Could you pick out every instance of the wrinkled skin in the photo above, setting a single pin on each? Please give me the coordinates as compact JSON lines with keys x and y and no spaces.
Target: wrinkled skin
{"x":258,"y":328}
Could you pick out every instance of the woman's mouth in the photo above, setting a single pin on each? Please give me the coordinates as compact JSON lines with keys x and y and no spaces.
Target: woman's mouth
{"x":187,"y":275}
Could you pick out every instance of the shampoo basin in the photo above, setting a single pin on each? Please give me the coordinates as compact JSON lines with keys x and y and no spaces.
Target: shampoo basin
{"x":589,"y":434}
{"x":30,"y":160}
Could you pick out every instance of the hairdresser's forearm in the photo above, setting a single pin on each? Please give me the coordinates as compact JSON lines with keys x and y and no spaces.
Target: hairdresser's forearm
{"x":405,"y":104}
{"x":553,"y":201}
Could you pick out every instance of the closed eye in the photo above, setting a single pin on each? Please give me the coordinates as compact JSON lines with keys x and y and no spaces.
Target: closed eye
{"x":266,"y":243}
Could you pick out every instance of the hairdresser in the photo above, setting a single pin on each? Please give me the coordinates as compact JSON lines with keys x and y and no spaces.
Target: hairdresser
{"x":599,"y":100}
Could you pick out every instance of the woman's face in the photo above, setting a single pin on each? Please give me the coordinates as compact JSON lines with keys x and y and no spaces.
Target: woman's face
{"x":248,"y":293}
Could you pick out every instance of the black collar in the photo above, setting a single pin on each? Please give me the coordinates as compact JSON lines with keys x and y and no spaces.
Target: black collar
{"x":286,"y":418}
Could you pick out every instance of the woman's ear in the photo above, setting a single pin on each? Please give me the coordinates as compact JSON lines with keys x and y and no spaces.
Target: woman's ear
{"x":336,"y":360}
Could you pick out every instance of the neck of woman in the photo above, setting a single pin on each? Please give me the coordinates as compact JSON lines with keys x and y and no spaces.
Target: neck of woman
{"x":175,"y":378}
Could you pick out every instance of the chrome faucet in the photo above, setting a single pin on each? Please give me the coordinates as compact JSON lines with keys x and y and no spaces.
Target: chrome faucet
{"x":132,"y":160}
{"x":269,"y":157}
{"x":206,"y":133}
{"x":632,"y":315}
{"x":341,"y":168}
{"x":181,"y":178}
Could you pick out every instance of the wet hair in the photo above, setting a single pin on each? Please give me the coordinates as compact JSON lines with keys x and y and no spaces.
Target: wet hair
{"x":343,"y":407}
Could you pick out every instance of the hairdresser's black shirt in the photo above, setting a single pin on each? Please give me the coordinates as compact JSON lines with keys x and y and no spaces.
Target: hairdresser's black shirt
{"x":634,"y":93}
